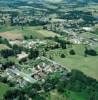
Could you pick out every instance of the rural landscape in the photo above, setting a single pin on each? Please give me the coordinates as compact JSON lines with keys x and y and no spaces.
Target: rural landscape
{"x":48,"y":50}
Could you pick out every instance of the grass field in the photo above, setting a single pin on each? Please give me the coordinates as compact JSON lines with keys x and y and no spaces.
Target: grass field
{"x":88,"y":65}
{"x":3,"y":89}
{"x":76,"y":95}
{"x":16,"y":32}
{"x":87,"y":35}
{"x":68,"y":95}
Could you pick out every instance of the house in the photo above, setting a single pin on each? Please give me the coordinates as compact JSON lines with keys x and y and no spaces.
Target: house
{"x":21,"y":56}
{"x":88,"y":29}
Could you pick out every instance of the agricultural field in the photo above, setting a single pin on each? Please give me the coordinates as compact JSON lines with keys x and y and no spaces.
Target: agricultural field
{"x":17,"y":33}
{"x":12,"y":35}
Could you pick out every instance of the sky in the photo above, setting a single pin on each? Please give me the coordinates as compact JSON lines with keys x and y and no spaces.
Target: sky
{"x":53,"y":1}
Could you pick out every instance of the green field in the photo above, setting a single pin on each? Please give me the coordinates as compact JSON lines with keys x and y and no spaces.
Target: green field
{"x":36,"y":32}
{"x":88,"y":65}
{"x":68,"y":95}
{"x":3,"y":89}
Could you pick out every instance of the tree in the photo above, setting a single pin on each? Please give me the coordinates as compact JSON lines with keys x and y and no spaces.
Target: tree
{"x":4,"y":41}
{"x":6,"y":53}
{"x":50,"y":57}
{"x":31,"y":37}
{"x":63,"y":56}
{"x":72,"y":52}
{"x":63,"y":44}
{"x":61,"y":86}
{"x":26,"y":37}
{"x":90,"y":52}
{"x":12,"y":94}
{"x":17,"y":49}
{"x":34,"y":53}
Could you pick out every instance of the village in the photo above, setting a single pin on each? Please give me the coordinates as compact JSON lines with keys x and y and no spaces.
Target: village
{"x":32,"y":71}
{"x":48,"y":46}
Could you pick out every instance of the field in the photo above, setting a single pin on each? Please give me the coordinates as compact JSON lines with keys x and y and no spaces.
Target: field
{"x":3,"y":89}
{"x":2,"y":46}
{"x":12,"y":33}
{"x":88,"y":35}
{"x":88,"y":65}
{"x":10,"y":36}
{"x":68,"y":95}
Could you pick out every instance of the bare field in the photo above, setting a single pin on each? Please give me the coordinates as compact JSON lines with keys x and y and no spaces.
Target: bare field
{"x":2,"y":46}
{"x":11,"y":36}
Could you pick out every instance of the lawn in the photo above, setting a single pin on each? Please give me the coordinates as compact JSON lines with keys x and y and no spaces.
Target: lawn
{"x":3,"y":89}
{"x":88,"y":65}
